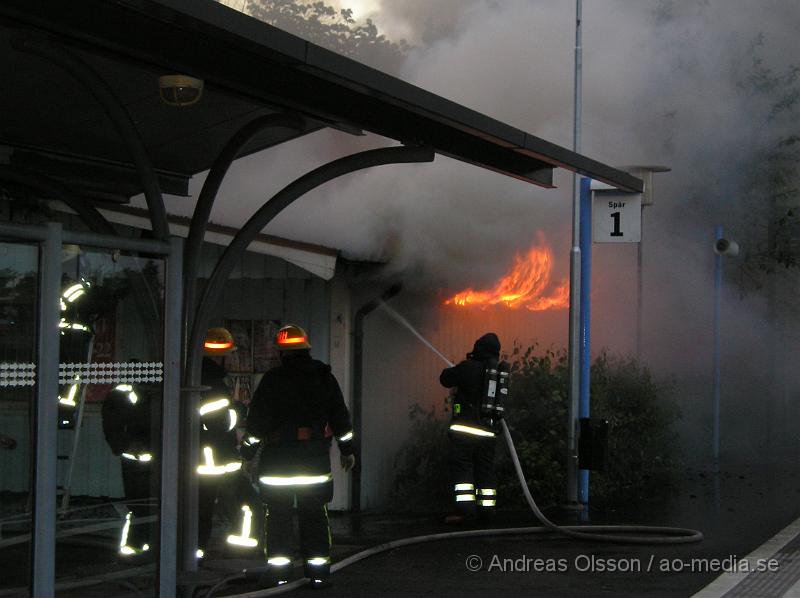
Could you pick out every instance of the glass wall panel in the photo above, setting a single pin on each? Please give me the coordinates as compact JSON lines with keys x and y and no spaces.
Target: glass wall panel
{"x":18,"y":305}
{"x":109,"y":422}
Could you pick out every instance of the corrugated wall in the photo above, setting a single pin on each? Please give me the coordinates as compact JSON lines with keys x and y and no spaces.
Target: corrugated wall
{"x":263,"y":287}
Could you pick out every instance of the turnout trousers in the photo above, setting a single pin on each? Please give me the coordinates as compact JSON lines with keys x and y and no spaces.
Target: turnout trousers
{"x":312,"y":515}
{"x":473,"y":476}
{"x":135,"y":536}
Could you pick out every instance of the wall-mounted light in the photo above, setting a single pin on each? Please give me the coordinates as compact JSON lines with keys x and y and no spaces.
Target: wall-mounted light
{"x":726,"y":247}
{"x":180,"y":90}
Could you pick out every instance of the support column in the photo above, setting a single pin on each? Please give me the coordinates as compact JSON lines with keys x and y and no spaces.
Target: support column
{"x":43,"y":537}
{"x":586,"y":320}
{"x":170,"y":422}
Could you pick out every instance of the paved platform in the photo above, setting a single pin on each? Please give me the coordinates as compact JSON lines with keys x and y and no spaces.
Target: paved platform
{"x":738,"y":512}
{"x":772,"y":569}
{"x":745,"y":514}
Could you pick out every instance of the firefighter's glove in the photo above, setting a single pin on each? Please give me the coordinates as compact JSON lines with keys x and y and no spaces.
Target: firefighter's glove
{"x":348,"y":462}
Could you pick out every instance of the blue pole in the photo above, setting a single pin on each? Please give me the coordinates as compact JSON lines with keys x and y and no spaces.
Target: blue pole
{"x":585,"y":316}
{"x":717,"y":302}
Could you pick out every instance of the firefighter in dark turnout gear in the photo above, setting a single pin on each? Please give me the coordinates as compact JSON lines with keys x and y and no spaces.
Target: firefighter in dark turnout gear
{"x":128,"y":412}
{"x":472,"y":431}
{"x":76,"y":336}
{"x":296,"y":411}
{"x":222,"y":486}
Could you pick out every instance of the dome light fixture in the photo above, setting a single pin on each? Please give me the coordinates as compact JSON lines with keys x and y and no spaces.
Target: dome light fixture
{"x":180,"y":90}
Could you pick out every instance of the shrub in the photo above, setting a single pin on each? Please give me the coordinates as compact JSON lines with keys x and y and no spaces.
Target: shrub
{"x":643,"y":456}
{"x":421,"y":465}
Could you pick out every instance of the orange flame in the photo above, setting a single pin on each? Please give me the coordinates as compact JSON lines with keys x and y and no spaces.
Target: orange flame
{"x":528,"y":285}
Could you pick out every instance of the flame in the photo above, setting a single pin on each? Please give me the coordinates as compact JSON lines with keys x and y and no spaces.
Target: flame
{"x":527,"y":285}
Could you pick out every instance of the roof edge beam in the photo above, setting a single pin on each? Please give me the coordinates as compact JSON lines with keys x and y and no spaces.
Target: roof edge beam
{"x":93,"y":218}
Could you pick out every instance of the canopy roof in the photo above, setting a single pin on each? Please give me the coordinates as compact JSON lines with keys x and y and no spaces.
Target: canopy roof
{"x":249,"y":68}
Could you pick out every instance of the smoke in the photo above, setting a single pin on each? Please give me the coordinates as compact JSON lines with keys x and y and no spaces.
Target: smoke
{"x":664,"y":82}
{"x":692,"y":84}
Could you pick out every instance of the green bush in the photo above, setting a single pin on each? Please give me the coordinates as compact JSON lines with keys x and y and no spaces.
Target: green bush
{"x":643,"y":455}
{"x":421,"y":481}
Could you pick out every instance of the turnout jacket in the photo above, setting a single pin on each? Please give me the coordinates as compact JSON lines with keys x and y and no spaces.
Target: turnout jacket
{"x":468,"y":378}
{"x":127,"y":413}
{"x":296,"y":410}
{"x":217,"y":418}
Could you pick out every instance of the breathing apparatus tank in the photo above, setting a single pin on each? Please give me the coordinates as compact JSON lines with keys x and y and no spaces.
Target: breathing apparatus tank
{"x":495,"y":391}
{"x":503,"y":375}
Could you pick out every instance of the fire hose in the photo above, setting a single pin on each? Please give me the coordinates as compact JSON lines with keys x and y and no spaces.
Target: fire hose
{"x":618,"y":534}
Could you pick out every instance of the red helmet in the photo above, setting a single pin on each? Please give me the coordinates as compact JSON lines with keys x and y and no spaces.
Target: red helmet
{"x":292,"y":337}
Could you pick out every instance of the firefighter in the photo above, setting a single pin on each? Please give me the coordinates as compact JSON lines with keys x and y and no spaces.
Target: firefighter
{"x":128,"y":414}
{"x":76,"y":336}
{"x":296,"y":411}
{"x":222,"y":482}
{"x":472,"y":430}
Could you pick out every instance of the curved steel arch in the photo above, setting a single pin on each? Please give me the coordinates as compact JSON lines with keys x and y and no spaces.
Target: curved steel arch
{"x":273,"y":207}
{"x":226,"y":264}
{"x":208,"y":194}
{"x":119,"y":117}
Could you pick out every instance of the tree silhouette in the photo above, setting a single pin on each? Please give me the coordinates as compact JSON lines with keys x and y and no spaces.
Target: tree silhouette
{"x":332,"y":29}
{"x":775,"y":176}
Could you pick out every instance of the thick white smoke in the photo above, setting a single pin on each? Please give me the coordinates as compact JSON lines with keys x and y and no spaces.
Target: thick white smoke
{"x":664,"y":82}
{"x":692,"y":84}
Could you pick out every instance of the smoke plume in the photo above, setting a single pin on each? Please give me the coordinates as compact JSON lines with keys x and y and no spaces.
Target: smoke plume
{"x":706,"y":87}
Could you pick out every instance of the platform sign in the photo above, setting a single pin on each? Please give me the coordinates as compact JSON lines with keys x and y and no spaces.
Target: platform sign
{"x":616,"y":217}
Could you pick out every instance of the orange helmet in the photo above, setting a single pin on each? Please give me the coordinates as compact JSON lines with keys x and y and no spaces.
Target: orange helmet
{"x":219,"y":341}
{"x":292,"y":337}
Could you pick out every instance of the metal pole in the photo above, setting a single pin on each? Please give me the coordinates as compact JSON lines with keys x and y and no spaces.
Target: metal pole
{"x":639,"y":293}
{"x":170,"y":421}
{"x":46,"y":442}
{"x":717,"y":304}
{"x":121,"y":243}
{"x":586,"y":318}
{"x":575,"y":282}
{"x":24,"y":231}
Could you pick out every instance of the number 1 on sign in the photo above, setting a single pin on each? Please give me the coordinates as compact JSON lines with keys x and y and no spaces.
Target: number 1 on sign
{"x":616,"y":232}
